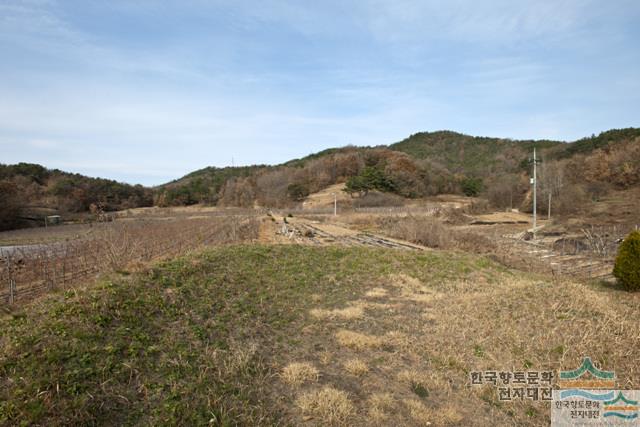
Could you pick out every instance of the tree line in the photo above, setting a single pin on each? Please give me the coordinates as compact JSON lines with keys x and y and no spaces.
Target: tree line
{"x":30,"y":191}
{"x":425,"y":164}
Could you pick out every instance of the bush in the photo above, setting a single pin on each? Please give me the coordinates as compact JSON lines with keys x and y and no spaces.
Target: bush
{"x":471,"y":187}
{"x":627,"y":267}
{"x":9,"y":208}
{"x":371,"y":178}
{"x":297,"y":191}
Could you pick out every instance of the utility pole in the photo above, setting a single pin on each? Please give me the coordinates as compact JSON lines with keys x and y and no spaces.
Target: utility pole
{"x":335,"y":204}
{"x":535,"y":186}
{"x":534,"y":181}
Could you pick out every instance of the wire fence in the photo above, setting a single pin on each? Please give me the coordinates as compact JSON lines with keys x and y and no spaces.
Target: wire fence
{"x":31,"y":270}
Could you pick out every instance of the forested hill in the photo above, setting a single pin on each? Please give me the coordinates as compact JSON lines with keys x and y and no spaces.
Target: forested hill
{"x":29,"y":191}
{"x":423,"y":164}
{"x":467,"y":154}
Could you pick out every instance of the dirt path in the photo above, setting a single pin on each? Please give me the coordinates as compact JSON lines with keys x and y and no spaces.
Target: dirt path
{"x":305,"y":231}
{"x":324,"y":198}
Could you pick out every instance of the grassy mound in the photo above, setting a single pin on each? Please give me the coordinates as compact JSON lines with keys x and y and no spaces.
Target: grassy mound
{"x":292,"y":335}
{"x":183,"y":344}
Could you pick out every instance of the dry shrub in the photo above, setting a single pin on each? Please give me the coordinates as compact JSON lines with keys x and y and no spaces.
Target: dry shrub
{"x":330,"y":406}
{"x":356,"y":367}
{"x":299,"y":372}
{"x":425,"y":231}
{"x":348,"y":313}
{"x":478,"y":207}
{"x":568,"y":200}
{"x":119,"y":244}
{"x":419,"y":412}
{"x":357,"y":340}
{"x":375,"y":199}
{"x":455,"y":216}
{"x":431,"y":232}
{"x":380,"y":407}
{"x":241,"y":359}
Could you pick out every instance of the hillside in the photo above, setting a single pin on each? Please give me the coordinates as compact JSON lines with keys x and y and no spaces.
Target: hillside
{"x":30,"y":191}
{"x":202,"y":186}
{"x":427,"y":164}
{"x":470,"y":155}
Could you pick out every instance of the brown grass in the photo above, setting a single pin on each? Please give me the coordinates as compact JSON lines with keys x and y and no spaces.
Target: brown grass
{"x":434,"y":233}
{"x":348,"y":313}
{"x":358,"y":341}
{"x":370,"y":305}
{"x":422,"y":415}
{"x":298,"y":373}
{"x":376,"y":293}
{"x":328,"y":406}
{"x":356,"y":367}
{"x":381,"y":407}
{"x":412,"y":288}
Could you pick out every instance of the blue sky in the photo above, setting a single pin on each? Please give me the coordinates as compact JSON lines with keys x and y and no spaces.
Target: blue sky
{"x":147,"y":91}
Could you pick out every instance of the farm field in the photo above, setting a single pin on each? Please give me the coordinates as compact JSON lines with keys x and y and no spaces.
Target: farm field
{"x":28,"y":270}
{"x":39,"y":260}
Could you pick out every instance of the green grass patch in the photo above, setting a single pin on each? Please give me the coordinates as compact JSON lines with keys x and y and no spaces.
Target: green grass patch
{"x":189,"y":342}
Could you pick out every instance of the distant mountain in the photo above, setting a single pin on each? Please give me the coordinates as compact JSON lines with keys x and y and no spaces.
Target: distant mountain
{"x":467,"y":154}
{"x":425,"y":163}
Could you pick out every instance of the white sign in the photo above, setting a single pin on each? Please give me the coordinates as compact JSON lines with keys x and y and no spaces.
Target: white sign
{"x":577,"y":407}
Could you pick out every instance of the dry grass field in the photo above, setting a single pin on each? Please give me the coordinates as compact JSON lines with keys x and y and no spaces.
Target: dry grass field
{"x":302,"y":335}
